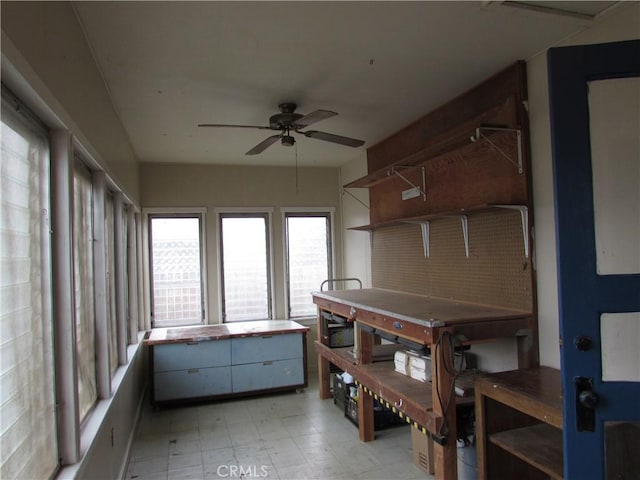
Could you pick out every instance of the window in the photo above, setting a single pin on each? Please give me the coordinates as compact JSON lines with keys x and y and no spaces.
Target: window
{"x":176,"y":246}
{"x":28,"y":428}
{"x":308,"y":259}
{"x":83,"y":286}
{"x":244,"y":252}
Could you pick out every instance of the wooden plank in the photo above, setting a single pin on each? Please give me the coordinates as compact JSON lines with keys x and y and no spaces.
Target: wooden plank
{"x":538,"y":445}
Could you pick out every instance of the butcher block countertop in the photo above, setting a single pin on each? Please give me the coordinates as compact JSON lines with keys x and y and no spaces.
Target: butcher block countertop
{"x":201,"y":333}
{"x":420,"y":309}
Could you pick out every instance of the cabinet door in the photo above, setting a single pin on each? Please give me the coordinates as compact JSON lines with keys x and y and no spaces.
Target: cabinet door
{"x":192,"y":383}
{"x":266,"y":348}
{"x":270,"y":374}
{"x":183,"y":356}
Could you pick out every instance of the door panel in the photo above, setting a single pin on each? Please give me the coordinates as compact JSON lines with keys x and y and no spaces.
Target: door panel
{"x":595,"y":167}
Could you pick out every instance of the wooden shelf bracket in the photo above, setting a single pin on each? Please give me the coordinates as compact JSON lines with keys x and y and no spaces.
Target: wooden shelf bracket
{"x":479,"y":135}
{"x":395,"y":171}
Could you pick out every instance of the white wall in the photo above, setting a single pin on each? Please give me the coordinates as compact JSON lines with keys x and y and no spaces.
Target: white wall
{"x":621,"y":24}
{"x":214,"y":187}
{"x":357,"y":244}
{"x":46,"y":60}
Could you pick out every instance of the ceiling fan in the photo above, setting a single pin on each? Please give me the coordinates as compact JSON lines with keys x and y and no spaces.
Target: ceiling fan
{"x":287,"y":121}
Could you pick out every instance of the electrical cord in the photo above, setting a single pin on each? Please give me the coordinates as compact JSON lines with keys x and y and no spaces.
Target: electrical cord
{"x":450,"y":369}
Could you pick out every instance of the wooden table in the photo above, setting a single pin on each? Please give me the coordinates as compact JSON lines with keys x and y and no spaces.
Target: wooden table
{"x":425,"y":321}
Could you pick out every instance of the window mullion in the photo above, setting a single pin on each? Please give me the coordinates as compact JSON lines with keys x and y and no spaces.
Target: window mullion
{"x":103,"y":373}
{"x":132,"y":268}
{"x":120,"y":260}
{"x":64,"y":306}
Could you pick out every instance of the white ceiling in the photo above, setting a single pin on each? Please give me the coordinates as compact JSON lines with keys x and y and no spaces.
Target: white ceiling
{"x":169,"y":66}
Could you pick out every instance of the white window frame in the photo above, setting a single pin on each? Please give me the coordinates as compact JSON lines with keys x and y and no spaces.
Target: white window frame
{"x":302,"y":210}
{"x":270,"y":270}
{"x":178,"y":212}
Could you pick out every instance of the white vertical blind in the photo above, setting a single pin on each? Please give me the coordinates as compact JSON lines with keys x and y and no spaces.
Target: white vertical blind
{"x":83,"y":286}
{"x":27,"y":411}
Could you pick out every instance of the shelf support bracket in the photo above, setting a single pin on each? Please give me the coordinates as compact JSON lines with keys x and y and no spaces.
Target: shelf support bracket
{"x":464,"y":221}
{"x":524,"y":217}
{"x":394,"y":171}
{"x":344,"y":190}
{"x":478,"y":135}
{"x":424,"y":227}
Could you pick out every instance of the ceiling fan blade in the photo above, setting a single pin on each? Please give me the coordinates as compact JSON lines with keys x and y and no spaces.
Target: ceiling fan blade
{"x":261,"y":147}
{"x":314,"y":117}
{"x":232,"y":126}
{"x":330,"y":137}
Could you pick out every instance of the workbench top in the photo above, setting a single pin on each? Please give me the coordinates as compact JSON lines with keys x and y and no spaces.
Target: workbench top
{"x":420,"y":309}
{"x":199,"y":333}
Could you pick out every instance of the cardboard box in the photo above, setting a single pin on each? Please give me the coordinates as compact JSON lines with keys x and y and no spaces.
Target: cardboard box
{"x":422,"y":447}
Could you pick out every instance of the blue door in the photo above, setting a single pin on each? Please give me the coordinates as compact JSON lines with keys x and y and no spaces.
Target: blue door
{"x":594,"y":94}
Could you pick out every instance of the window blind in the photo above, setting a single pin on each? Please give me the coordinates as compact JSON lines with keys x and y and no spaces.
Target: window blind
{"x":28,"y":446}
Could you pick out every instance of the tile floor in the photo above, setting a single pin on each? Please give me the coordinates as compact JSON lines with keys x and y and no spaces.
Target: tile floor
{"x":287,"y":436}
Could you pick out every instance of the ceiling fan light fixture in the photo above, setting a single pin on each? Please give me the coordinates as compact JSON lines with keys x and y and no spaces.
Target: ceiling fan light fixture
{"x":288,"y":140}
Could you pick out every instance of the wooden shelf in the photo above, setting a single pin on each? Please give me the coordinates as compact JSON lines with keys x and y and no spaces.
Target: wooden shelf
{"x":427,"y":218}
{"x":519,"y":414}
{"x":406,"y":396}
{"x":454,"y":139}
{"x":538,"y":445}
{"x":535,"y":391}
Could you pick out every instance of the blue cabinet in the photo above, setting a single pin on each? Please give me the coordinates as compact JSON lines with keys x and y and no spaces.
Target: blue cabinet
{"x":225,"y":360}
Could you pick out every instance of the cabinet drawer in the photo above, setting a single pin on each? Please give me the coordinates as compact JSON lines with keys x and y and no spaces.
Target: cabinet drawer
{"x":265,"y":348}
{"x":192,"y":383}
{"x":272,"y":374}
{"x":183,"y":356}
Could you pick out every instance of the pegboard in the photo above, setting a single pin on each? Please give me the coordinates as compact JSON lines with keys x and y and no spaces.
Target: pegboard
{"x":495,"y":273}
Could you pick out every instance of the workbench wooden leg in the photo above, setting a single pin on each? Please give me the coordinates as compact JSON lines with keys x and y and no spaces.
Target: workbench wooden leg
{"x":481,"y":436}
{"x":366,"y":421}
{"x":366,"y":426}
{"x":324,"y":382}
{"x":446,"y":456}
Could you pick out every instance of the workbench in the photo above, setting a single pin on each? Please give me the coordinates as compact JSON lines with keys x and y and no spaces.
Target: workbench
{"x":433,"y":323}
